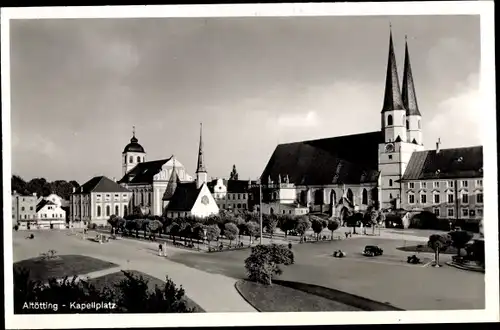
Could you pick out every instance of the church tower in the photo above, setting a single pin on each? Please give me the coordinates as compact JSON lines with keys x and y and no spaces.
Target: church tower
{"x":201,"y":172}
{"x":395,"y":152}
{"x":132,"y":154}
{"x":413,"y":116}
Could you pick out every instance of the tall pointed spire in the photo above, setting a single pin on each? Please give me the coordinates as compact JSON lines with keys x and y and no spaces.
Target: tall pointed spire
{"x":392,"y":97}
{"x":409,"y":96}
{"x":201,"y":164}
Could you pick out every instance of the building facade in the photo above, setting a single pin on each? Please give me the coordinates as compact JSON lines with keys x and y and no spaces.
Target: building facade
{"x":447,"y":182}
{"x":350,"y":173}
{"x":97,"y":199}
{"x":24,"y":210}
{"x":233,"y":195}
{"x":50,"y":215}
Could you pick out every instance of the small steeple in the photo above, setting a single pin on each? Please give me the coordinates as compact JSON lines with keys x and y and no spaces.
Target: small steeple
{"x":408,"y":92}
{"x":172,"y":182}
{"x":392,"y":96}
{"x":201,"y":164}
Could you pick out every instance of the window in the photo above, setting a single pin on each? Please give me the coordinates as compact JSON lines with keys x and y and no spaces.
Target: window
{"x":131,"y":159}
{"x":239,"y":196}
{"x":245,"y":206}
{"x":465,"y":213}
{"x":229,"y":196}
{"x":423,"y":185}
{"x":465,"y":198}
{"x":479,"y":183}
{"x":436,"y":212}
{"x":22,"y":208}
{"x":364,"y":197}
{"x":450,"y":199}
{"x":411,"y":198}
{"x":223,"y":206}
{"x":418,"y":124}
{"x":125,"y":210}
{"x":290,"y":212}
{"x":423,"y":198}
{"x":31,"y":208}
{"x":98,"y":210}
{"x":283,"y":211}
{"x":390,"y":196}
{"x":436,"y":184}
{"x":479,"y":212}
{"x":117,"y":210}
{"x":412,"y":185}
{"x":390,"y":156}
{"x":239,"y":206}
{"x":244,"y":196}
{"x":124,"y":196}
{"x":465,"y":183}
{"x":479,"y":198}
{"x":108,"y":210}
{"x":450,"y":212}
{"x":117,"y":195}
{"x":389,"y":120}
{"x":407,"y":124}
{"x":390,"y":182}
{"x":138,"y":159}
{"x":436,"y":198}
{"x":450,"y":184}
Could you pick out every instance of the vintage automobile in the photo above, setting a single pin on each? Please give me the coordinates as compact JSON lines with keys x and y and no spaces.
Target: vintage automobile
{"x":372,"y":251}
{"x":339,"y":254}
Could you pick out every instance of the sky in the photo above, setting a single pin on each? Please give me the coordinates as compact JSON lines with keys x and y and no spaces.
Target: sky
{"x":79,"y":85}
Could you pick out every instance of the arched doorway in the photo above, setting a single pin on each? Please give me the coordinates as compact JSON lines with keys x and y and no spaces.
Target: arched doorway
{"x":364,"y":197}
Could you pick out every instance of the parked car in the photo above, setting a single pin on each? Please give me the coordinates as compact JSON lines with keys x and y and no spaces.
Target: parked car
{"x":372,"y":251}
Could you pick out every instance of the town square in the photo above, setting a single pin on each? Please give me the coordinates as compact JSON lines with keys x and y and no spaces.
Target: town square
{"x":238,"y":164}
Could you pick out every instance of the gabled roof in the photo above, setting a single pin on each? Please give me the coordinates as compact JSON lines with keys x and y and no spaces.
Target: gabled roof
{"x":446,"y":164}
{"x":144,"y":172}
{"x":184,"y":197}
{"x":43,"y":203}
{"x":344,"y":159}
{"x":100,"y":184}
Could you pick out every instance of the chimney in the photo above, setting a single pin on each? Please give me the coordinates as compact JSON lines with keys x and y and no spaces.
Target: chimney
{"x":438,"y":144}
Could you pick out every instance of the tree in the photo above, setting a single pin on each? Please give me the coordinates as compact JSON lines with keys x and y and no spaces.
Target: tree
{"x":355,"y":220}
{"x":174,"y":230}
{"x":287,"y":223}
{"x":253,"y":229}
{"x":19,"y":185}
{"x":155,"y":226}
{"x":230,"y":231}
{"x":459,"y":239}
{"x":333,"y":225}
{"x":187,"y":231}
{"x":198,"y":232}
{"x":265,"y":260}
{"x":234,"y":174}
{"x":242,"y":227}
{"x":213,"y":233}
{"x":438,"y":243}
{"x":272,"y":223}
{"x":317,"y":227}
{"x":303,"y":224}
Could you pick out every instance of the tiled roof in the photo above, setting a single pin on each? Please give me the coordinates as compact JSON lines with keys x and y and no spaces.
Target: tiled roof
{"x":447,"y":164}
{"x":184,"y":197}
{"x":144,"y":172}
{"x":43,"y":203}
{"x":100,"y":184}
{"x":350,"y":159}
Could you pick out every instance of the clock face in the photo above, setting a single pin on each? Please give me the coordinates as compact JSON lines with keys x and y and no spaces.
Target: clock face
{"x":204,"y":200}
{"x":389,"y":147}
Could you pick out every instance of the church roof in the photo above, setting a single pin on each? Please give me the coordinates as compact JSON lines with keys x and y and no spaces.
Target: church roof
{"x":133,"y":146}
{"x":100,"y":184}
{"x":172,"y":185}
{"x":343,"y":159}
{"x":43,"y":203}
{"x":184,"y":197}
{"x":408,"y":93}
{"x":392,"y":96}
{"x":144,"y":172}
{"x":446,"y":164}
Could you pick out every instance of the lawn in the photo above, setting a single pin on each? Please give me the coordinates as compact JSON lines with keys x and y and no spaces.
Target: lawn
{"x":61,"y":266}
{"x":111,"y":279}
{"x":278,"y":298}
{"x":425,"y":249}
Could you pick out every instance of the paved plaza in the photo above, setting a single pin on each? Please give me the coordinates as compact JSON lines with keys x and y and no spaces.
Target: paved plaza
{"x":209,"y":278}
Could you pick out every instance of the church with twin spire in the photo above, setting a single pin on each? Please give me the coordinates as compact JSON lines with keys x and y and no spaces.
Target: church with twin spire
{"x":163,"y":187}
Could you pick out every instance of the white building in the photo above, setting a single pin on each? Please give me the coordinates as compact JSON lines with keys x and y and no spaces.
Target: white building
{"x":50,"y":215}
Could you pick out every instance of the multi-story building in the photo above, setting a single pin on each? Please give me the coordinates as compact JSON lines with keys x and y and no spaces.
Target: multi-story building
{"x":233,"y":195}
{"x":97,"y":199}
{"x":50,"y":215}
{"x":447,"y":182}
{"x":24,"y":210}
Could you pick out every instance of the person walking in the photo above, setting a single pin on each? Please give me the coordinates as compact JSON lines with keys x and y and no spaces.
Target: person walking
{"x":160,"y":250}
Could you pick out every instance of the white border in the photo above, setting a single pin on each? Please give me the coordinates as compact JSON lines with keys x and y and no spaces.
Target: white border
{"x":483,"y":8}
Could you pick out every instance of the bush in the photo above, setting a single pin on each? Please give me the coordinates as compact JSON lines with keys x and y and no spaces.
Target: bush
{"x":265,"y":260}
{"x":231,"y":231}
{"x":459,"y":239}
{"x":93,"y":226}
{"x":131,"y":295}
{"x":317,"y":227}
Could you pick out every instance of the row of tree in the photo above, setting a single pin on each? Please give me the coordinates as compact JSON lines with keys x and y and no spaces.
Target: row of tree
{"x":42,"y":187}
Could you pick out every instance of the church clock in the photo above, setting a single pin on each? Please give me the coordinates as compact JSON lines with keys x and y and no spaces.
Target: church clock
{"x":204,"y":200}
{"x":389,"y":147}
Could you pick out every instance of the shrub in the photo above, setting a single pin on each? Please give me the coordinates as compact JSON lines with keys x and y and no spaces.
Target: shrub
{"x":355,"y":220}
{"x":231,"y":231}
{"x":424,"y":220}
{"x":287,"y":223}
{"x":253,"y":229}
{"x":213,"y":233}
{"x":272,"y":223}
{"x":317,"y":227}
{"x":303,"y":224}
{"x":265,"y":260}
{"x":439,"y":243}
{"x":459,"y":239}
{"x":333,"y":225}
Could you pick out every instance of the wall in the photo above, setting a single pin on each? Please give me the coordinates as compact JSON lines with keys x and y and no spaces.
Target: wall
{"x":26,"y":208}
{"x":109,"y":203}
